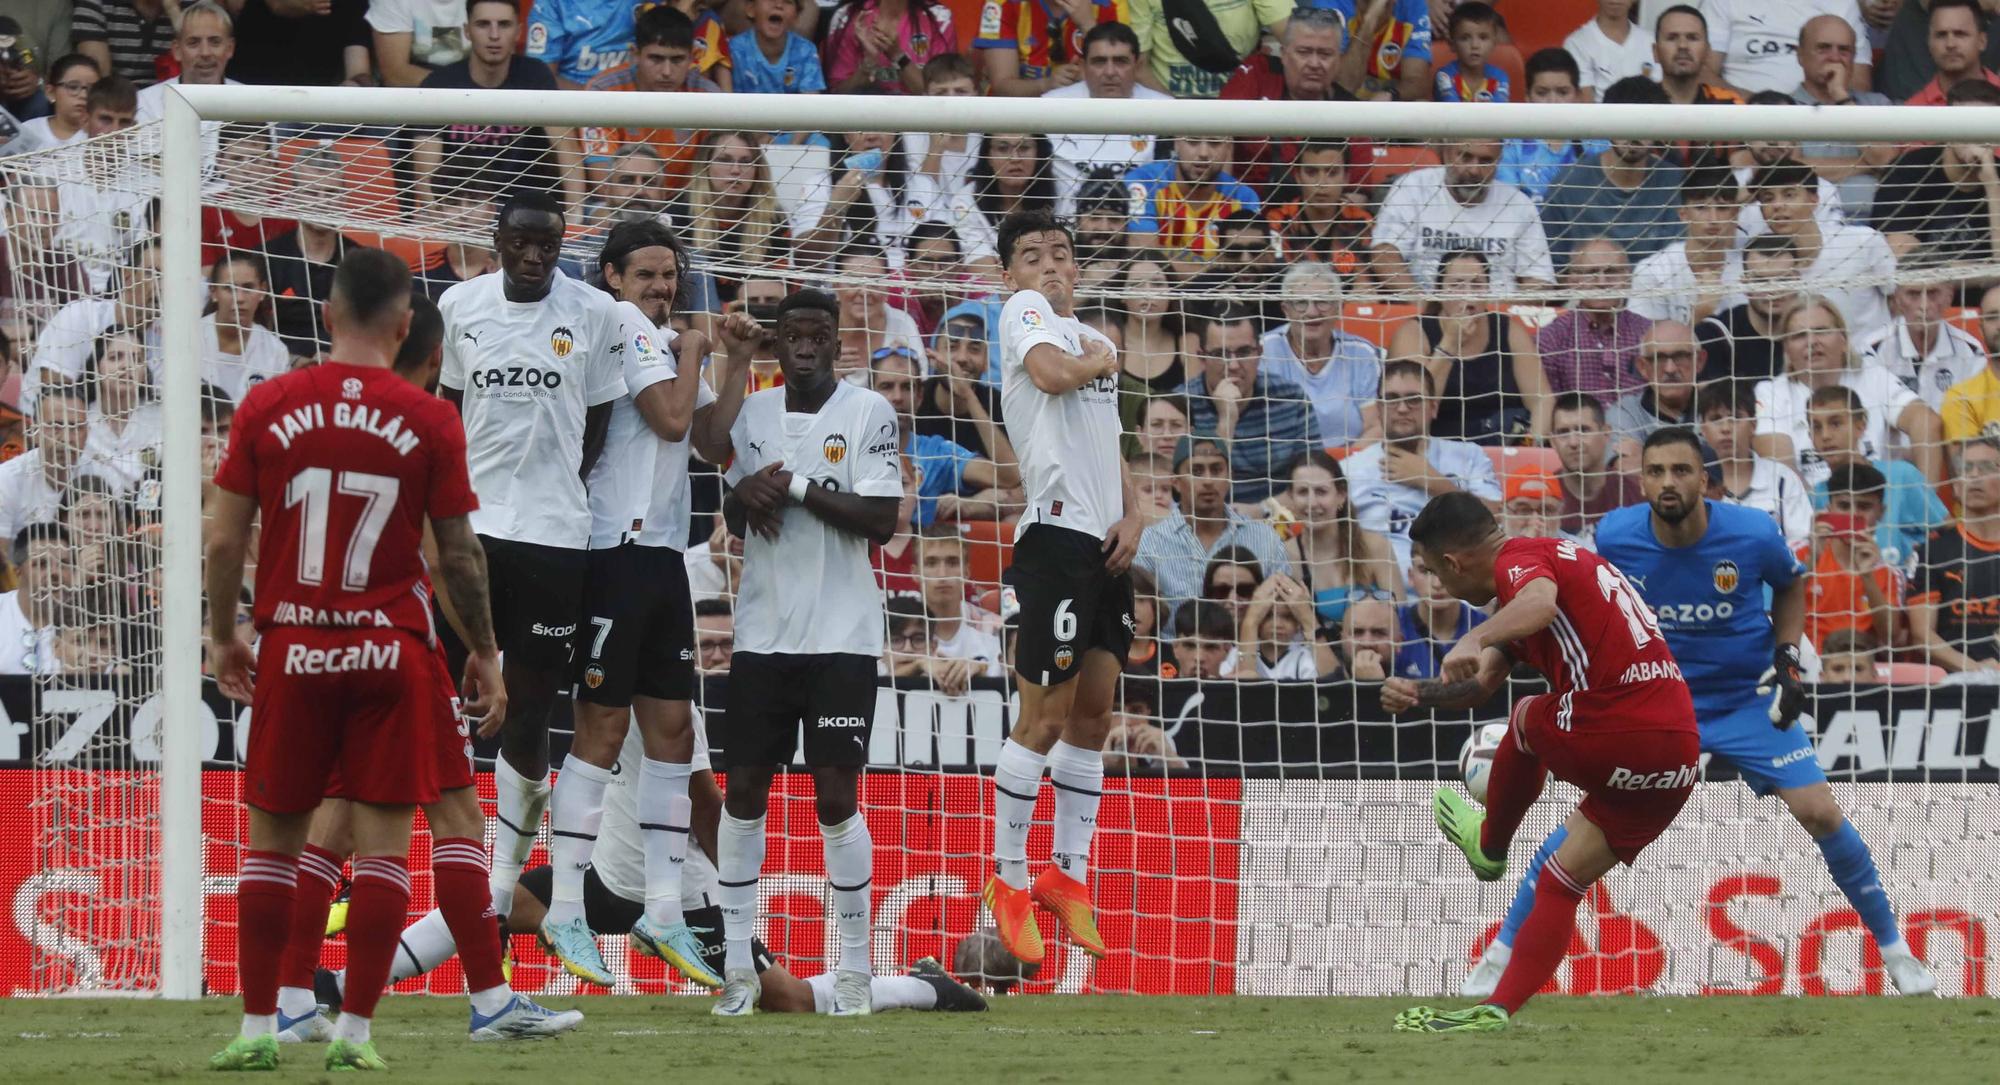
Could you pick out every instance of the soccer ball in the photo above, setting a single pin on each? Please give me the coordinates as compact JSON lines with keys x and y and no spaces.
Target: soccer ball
{"x":1475,"y":758}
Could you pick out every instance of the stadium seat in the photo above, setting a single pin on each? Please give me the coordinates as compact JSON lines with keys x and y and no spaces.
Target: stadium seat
{"x":1909,"y":674}
{"x":989,"y":549}
{"x":1341,"y":452}
{"x":1539,"y":24}
{"x":1965,"y":319}
{"x":1375,"y":321}
{"x":1508,"y":459}
{"x":1392,"y":160}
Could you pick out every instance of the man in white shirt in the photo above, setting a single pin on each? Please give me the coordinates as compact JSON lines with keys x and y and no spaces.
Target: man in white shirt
{"x":1852,"y":265}
{"x":1826,"y":60}
{"x":959,"y":630}
{"x":1454,"y":208}
{"x":203,"y":44}
{"x":33,"y":483}
{"x":1391,"y":481}
{"x":1754,"y":43}
{"x":1692,"y":279}
{"x":1927,"y":352}
{"x":1728,"y":424}
{"x":41,"y":556}
{"x":1609,"y":47}
{"x":1110,"y":70}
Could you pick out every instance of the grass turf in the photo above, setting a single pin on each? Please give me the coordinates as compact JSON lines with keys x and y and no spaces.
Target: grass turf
{"x":1055,"y":1039}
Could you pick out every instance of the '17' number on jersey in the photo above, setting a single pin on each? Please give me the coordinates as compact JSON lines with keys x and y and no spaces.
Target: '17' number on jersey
{"x":1638,"y":618}
{"x":313,"y":488}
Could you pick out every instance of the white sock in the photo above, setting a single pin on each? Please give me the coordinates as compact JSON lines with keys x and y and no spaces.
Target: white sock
{"x":351,"y":1028}
{"x":698,"y":879}
{"x":1017,"y":782}
{"x":850,"y":860}
{"x":492,"y":1000}
{"x":296,"y":1002}
{"x":664,"y":813}
{"x":1078,"y":777}
{"x":884,"y":992}
{"x":579,"y":810}
{"x":518,"y":804}
{"x":739,"y":859}
{"x":266,"y":1024}
{"x":423,"y":946}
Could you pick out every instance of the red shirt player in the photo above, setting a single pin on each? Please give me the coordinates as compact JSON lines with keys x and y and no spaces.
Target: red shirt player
{"x":1617,"y":722}
{"x":344,"y":462}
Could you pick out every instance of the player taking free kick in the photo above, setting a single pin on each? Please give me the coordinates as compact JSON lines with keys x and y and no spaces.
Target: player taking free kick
{"x":343,"y":461}
{"x":1072,"y":554}
{"x":1617,"y":722}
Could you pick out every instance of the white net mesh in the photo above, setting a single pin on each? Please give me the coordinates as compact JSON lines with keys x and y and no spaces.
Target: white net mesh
{"x":1265,"y":828}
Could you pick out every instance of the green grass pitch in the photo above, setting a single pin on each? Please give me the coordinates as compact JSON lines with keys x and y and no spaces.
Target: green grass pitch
{"x":1131,"y":1041}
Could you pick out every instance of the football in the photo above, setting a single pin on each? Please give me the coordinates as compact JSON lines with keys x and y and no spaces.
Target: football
{"x":1475,"y":758}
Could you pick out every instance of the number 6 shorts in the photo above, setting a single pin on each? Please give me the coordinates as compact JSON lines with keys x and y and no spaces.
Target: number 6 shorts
{"x":1069,"y":603}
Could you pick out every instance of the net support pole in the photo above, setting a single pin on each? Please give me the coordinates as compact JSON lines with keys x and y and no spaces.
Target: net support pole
{"x":181,"y":549}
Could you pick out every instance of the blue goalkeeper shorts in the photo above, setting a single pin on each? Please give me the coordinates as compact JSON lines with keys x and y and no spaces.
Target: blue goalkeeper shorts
{"x":1768,"y":759}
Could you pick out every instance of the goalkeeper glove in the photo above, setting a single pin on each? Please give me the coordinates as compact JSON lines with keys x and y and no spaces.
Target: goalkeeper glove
{"x":1787,"y":690}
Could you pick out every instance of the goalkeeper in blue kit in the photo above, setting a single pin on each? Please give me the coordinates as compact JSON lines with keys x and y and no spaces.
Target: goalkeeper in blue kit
{"x":1703,"y":568}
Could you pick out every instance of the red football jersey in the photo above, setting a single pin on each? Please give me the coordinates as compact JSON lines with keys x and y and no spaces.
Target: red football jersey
{"x":345,"y":462}
{"x":1603,"y":635}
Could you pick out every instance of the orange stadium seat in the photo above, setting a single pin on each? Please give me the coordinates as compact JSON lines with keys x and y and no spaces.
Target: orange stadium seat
{"x":1539,"y":24}
{"x":1909,"y":674}
{"x":1966,"y":319}
{"x":1375,"y":321}
{"x":1508,"y":459}
{"x":1392,"y":160}
{"x":989,"y":549}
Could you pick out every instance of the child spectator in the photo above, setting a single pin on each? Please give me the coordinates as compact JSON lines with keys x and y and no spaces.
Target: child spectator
{"x":1848,"y":659}
{"x":885,"y":44}
{"x":1851,"y":587}
{"x":769,"y":58}
{"x":1475,"y":26}
{"x":1429,"y":624}
{"x":1532,"y":164}
{"x":1910,"y":508}
{"x":1275,"y":633}
{"x":1204,"y":641}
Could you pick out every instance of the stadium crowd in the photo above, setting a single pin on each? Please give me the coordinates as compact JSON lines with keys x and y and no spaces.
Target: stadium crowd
{"x":1281,"y":434}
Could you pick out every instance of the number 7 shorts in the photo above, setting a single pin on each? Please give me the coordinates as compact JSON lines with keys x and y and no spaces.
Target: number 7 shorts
{"x":1069,"y":603}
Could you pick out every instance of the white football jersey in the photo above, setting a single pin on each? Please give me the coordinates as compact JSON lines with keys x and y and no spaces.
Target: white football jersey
{"x":1422,"y":221}
{"x":639,"y":488}
{"x":1954,"y":356}
{"x":812,"y":591}
{"x":1068,"y":443}
{"x":529,"y":372}
{"x":264,"y":356}
{"x":1758,"y":40}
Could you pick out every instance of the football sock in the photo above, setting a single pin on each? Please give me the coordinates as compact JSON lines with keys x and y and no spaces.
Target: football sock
{"x":1514,"y":785}
{"x":664,"y":812}
{"x":265,"y":887}
{"x":1853,"y":870}
{"x":850,"y":860}
{"x":376,"y":907}
{"x":740,"y":858}
{"x":698,"y":881}
{"x":423,"y":946}
{"x":458,"y":872}
{"x":1543,"y":939}
{"x":579,"y":810}
{"x":518,"y":804}
{"x":1017,"y":781}
{"x":885,"y":993}
{"x":351,"y":1027}
{"x":1524,"y":896}
{"x":319,"y":880}
{"x":1077,"y":775}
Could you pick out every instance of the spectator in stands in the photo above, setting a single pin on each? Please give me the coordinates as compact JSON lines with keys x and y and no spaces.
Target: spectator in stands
{"x":1728,"y":425}
{"x":1680,"y":44}
{"x":1921,"y":347}
{"x":1957,"y":42}
{"x":1692,"y":279}
{"x":70,"y":81}
{"x":238,"y":351}
{"x":416,"y":37}
{"x":1752,"y":45}
{"x":1245,"y":266}
{"x":895,"y":561}
{"x":632,"y":187}
{"x":956,"y":484}
{"x":868,"y":209}
{"x":1010,"y":172}
{"x":124,"y":37}
{"x":296,"y":44}
{"x":1264,"y":420}
{"x":715,"y":566}
{"x":1848,"y":658}
{"x":502,"y":156}
{"x":1029,"y":49}
{"x":1327,"y":221}
{"x":957,"y":402}
{"x":1231,"y":578}
{"x":1909,"y":510}
{"x":460,"y":212}
{"x":1494,"y":387}
{"x":1146,"y":657}
{"x":1136,"y":746}
{"x":1392,"y":480}
{"x":1101,"y":208}
{"x":1755,"y":154}
{"x":1190,"y":51}
{"x":1276,"y":635}
{"x":1590,"y":346}
{"x":714,"y":636}
{"x":1176,"y":551}
{"x":1972,"y":407}
{"x":124,"y":438}
{"x":1826,"y":59}
{"x":911,"y":650}
{"x":1150,"y":360}
{"x":1818,"y":355}
{"x":1591,"y":485}
{"x":41,"y":276}
{"x":1317,"y":61}
{"x":1667,"y":362}
{"x":1111,"y":63}
{"x":113,"y":107}
{"x":1954,"y":603}
{"x":1846,"y":263}
{"x":1339,"y":372}
{"x":1473,"y":29}
{"x":204,"y":40}
{"x":1176,"y":202}
{"x":868,"y":323}
{"x":64,"y":348}
{"x":1532,"y":164}
{"x":579,"y":41}
{"x":1389,"y":55}
{"x":1368,"y":639}
{"x":959,"y":629}
{"x":1627,"y":193}
{"x":1906,"y":50}
{"x":1741,"y":342}
{"x":662,"y":63}
{"x":1165,"y":420}
{"x":302,"y":262}
{"x":29,"y":614}
{"x":1612,"y":46}
{"x":1852,"y":586}
{"x":733,"y":214}
{"x":1533,"y":504}
{"x":1429,"y":624}
{"x":243,"y":165}
{"x":32,"y":483}
{"x":1338,"y":561}
{"x":1456,"y":207}
{"x":885,"y":44}
{"x":1938,"y":204}
{"x":218,"y":417}
{"x":770,"y":58}
{"x":1204,"y":641}
{"x":21,"y":59}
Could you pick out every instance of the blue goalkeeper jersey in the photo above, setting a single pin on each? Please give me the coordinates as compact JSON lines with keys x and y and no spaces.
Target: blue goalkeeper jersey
{"x":1708,"y":597}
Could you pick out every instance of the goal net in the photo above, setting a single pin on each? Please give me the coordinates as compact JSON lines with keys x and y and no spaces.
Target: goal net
{"x":1324,"y":313}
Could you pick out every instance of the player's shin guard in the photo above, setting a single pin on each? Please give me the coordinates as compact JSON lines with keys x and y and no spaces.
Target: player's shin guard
{"x":1017,"y":781}
{"x":1077,"y":775}
{"x":1543,"y":939}
{"x":1516,"y":782}
{"x":1524,"y":897}
{"x":518,"y":804}
{"x":664,"y":813}
{"x":377,"y":905}
{"x":265,"y":888}
{"x":458,"y":871}
{"x":319,"y":880}
{"x":579,"y":810}
{"x":739,"y":859}
{"x":1853,"y":870}
{"x":850,"y":861}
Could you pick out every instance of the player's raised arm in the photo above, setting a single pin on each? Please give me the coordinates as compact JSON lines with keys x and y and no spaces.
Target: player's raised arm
{"x":1055,"y":370}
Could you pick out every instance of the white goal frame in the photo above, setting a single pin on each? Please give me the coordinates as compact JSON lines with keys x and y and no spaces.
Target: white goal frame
{"x":185,"y":108}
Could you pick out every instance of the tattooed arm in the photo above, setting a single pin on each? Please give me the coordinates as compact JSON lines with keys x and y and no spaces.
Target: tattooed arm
{"x":1403,"y":694}
{"x":461,"y":573}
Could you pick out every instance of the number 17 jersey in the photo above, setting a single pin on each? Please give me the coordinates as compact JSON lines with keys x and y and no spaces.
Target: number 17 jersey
{"x":345,"y":462}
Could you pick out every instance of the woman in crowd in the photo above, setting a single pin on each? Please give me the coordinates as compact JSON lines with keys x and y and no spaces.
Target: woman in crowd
{"x":1231,"y":578}
{"x":869,"y":206}
{"x":1163,"y":421}
{"x":1489,"y":378}
{"x":733,"y":215}
{"x":1011,"y":174}
{"x":124,"y":438}
{"x":1152,"y":354}
{"x":1338,"y":560}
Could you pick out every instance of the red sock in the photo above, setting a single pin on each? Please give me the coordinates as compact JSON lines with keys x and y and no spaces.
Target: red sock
{"x":377,"y":908}
{"x":458,"y":870}
{"x":1514,"y":785}
{"x":1543,"y":939}
{"x":264,"y":889}
{"x":319,"y":880}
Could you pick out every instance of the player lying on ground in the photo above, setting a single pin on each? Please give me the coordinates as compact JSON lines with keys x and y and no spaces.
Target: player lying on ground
{"x":617,"y":891}
{"x":458,"y":829}
{"x":1617,"y":722}
{"x":1059,"y":385}
{"x":343,"y":462}
{"x":1702,"y":567}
